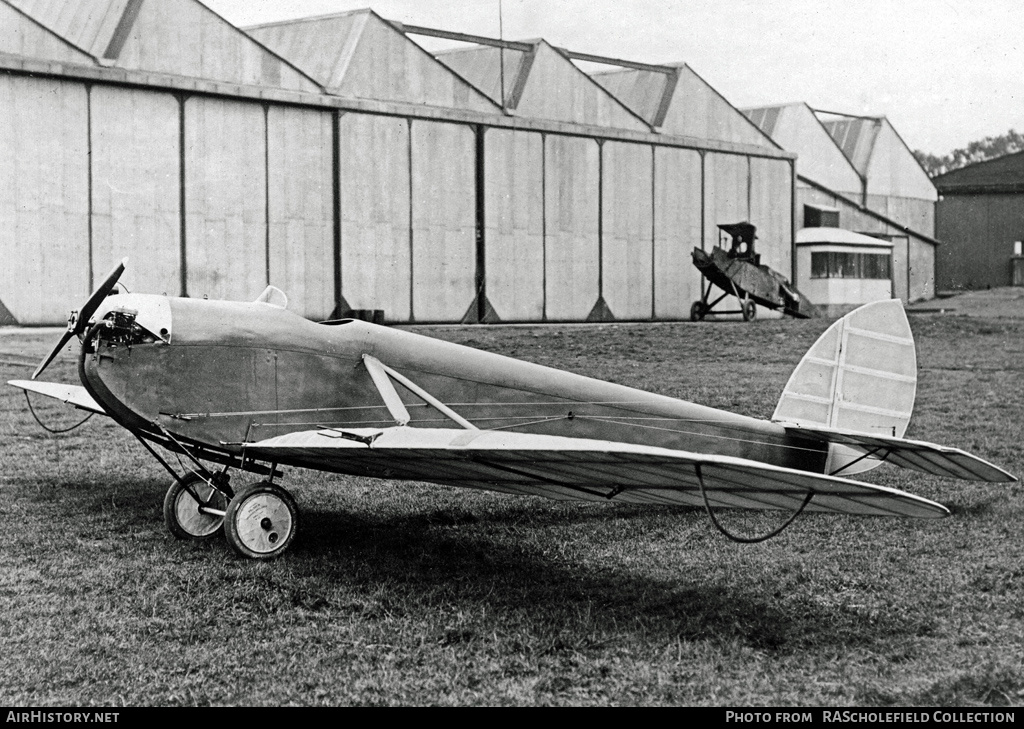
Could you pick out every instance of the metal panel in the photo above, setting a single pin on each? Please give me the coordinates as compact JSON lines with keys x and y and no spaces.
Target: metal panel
{"x":136,"y":187}
{"x":677,"y":231}
{"x":726,"y":178}
{"x":23,"y":37}
{"x":627,"y":249}
{"x":376,"y":262}
{"x":225,"y":199}
{"x":300,"y":200}
{"x":771,"y":205}
{"x":641,"y":91}
{"x":322,"y":47}
{"x":697,"y":110}
{"x":88,"y":24}
{"x":922,"y":270}
{"x":495,"y":71}
{"x":556,"y":89}
{"x":514,"y":232}
{"x":44,"y":199}
{"x":444,"y":221}
{"x":726,"y":200}
{"x":900,"y":268}
{"x":797,"y":129}
{"x":915,"y":213}
{"x":893,"y":170}
{"x":571,"y":212}
{"x":185,"y":38}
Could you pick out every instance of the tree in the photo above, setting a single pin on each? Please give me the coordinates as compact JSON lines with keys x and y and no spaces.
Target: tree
{"x":985,"y":149}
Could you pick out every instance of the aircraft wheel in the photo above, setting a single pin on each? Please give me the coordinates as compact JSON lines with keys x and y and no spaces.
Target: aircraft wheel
{"x":749,"y":310}
{"x":697,"y":311}
{"x":182,"y":512}
{"x":261,"y":521}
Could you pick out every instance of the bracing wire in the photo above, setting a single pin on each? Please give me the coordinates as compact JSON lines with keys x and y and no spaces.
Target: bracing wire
{"x":47,"y":428}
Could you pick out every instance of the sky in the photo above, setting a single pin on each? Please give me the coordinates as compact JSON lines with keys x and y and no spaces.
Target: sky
{"x":945,"y":72}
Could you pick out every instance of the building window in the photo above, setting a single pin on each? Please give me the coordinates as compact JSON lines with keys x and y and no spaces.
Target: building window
{"x":816,"y":216}
{"x":834,"y":264}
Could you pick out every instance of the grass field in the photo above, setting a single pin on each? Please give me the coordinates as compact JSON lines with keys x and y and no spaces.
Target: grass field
{"x":399,"y":593}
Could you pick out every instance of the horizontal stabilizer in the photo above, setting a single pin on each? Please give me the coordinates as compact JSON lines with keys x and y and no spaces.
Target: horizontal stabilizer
{"x":576,"y":468}
{"x":71,"y":394}
{"x":937,"y":460}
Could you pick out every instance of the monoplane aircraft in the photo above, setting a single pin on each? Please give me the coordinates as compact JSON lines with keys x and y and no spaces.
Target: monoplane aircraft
{"x":251,"y":386}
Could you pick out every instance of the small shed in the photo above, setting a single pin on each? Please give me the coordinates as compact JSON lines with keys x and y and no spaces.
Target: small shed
{"x":840,"y":269}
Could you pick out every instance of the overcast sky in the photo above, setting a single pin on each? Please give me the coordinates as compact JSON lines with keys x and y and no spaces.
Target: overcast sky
{"x":945,"y":72}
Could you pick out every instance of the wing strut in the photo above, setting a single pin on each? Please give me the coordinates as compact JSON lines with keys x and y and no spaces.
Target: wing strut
{"x":747,"y":540}
{"x":382,"y":375}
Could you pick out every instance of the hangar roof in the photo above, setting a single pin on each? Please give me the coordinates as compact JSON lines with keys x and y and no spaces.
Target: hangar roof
{"x":678,"y":101}
{"x":1000,"y":175}
{"x":797,"y":128}
{"x":880,"y":155}
{"x":370,"y":65}
{"x":541,"y":82}
{"x":358,"y":54}
{"x":176,"y":37}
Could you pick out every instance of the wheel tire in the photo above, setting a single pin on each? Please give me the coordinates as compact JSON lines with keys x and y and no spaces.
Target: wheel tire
{"x":697,"y":311}
{"x":181,"y":510}
{"x":749,"y":310}
{"x":261,"y":521}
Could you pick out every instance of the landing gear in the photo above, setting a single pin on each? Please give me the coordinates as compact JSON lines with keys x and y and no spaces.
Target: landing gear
{"x":193,"y":509}
{"x":749,"y":310}
{"x":698,"y":310}
{"x":261,"y":521}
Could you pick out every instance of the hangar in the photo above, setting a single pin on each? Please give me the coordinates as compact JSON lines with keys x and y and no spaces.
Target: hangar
{"x":336,"y":158}
{"x":980,"y":217}
{"x":856,"y":173}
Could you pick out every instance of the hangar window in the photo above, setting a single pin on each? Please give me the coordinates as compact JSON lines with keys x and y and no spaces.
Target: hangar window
{"x":818,"y":216}
{"x":836,"y":264}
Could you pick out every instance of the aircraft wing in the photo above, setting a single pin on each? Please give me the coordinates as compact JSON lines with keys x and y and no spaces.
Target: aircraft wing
{"x":71,"y":394}
{"x":576,"y":468}
{"x":919,"y":455}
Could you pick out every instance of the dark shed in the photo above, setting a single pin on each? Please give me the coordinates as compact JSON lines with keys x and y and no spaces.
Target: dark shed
{"x":980,"y":220}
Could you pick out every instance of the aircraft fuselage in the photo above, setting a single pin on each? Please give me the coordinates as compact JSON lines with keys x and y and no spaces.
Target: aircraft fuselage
{"x":224,"y":374}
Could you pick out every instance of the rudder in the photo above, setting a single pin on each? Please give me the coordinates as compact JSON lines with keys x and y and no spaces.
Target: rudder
{"x":860,"y":376}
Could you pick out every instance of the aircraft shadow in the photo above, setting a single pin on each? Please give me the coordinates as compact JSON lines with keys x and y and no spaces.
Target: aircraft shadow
{"x":412,"y":554}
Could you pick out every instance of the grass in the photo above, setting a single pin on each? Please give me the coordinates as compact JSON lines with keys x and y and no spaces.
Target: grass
{"x":399,"y":593}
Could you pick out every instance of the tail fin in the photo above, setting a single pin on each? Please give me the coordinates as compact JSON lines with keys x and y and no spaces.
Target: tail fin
{"x":860,"y":376}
